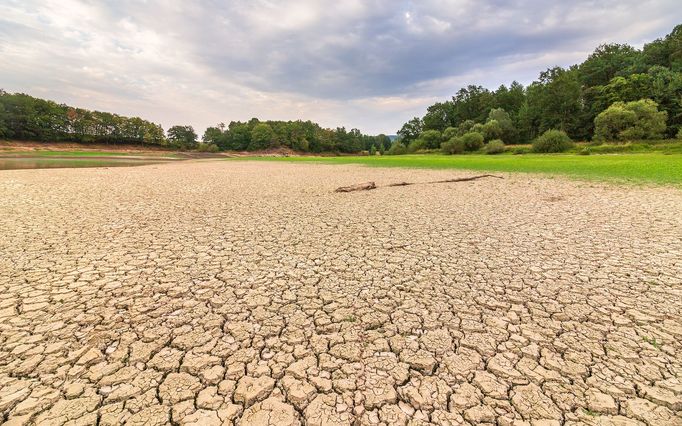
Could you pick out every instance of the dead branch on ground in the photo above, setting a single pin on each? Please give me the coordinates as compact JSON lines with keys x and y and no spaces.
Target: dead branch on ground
{"x":366,"y":186}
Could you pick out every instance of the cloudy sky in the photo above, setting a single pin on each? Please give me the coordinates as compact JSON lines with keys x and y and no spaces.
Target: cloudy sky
{"x":369,"y":64}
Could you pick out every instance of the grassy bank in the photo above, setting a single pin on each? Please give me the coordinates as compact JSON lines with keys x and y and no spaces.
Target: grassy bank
{"x":635,"y":168}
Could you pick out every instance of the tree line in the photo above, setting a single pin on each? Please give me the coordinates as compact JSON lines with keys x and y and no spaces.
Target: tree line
{"x":303,"y":136}
{"x":619,"y":92}
{"x":25,"y":117}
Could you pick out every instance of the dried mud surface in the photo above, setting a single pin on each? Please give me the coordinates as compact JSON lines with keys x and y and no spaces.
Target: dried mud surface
{"x":227,"y":292}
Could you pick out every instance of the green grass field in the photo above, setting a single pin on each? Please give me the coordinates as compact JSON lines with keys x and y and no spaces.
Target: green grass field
{"x":633,"y":168}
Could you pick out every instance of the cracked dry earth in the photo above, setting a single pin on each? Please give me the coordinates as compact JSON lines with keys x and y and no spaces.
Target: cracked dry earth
{"x":225,"y":292}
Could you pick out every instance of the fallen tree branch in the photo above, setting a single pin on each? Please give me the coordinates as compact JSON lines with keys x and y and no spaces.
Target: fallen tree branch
{"x":357,"y":187}
{"x":366,"y":186}
{"x":466,"y":179}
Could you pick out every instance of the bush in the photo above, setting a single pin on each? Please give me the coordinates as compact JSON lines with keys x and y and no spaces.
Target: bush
{"x":431,"y":138}
{"x":630,"y":121}
{"x":453,"y":146}
{"x":473,"y":141}
{"x":492,"y":130}
{"x":207,"y":147}
{"x":476,"y":128}
{"x":495,"y":146}
{"x":465,"y":127}
{"x":610,"y":123}
{"x":397,"y":149}
{"x":552,"y":141}
{"x":417,"y":145}
{"x":679,"y":133}
{"x":449,"y":133}
{"x":585,"y":151}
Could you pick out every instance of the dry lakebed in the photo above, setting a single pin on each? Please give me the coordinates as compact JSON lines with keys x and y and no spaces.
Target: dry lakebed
{"x":240,"y":292}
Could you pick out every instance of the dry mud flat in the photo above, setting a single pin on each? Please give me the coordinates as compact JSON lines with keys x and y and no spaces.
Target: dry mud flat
{"x":248,"y":292}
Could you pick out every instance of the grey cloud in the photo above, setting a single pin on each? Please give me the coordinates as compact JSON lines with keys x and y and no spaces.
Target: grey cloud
{"x":382,"y":52}
{"x":375,"y":49}
{"x":317,"y":59}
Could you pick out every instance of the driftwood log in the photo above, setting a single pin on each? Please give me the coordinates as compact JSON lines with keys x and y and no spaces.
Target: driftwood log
{"x":366,"y":186}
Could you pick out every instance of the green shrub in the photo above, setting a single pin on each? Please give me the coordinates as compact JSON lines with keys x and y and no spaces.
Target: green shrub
{"x":417,"y":145}
{"x":431,"y":139}
{"x":630,"y":121}
{"x":585,"y":151}
{"x":552,"y":141}
{"x":495,"y":146}
{"x":473,"y":141}
{"x":679,"y":133}
{"x":453,"y":146}
{"x":398,"y":148}
{"x":492,"y":130}
{"x":477,"y":128}
{"x":465,"y":127}
{"x":207,"y":147}
{"x":610,"y":123}
{"x":449,"y":133}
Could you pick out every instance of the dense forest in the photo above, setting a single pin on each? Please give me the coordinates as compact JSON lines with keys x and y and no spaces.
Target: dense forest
{"x":617,"y":93}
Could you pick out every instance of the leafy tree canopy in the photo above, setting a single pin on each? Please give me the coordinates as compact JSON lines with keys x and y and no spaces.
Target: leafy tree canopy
{"x":183,"y":137}
{"x":566,"y":99}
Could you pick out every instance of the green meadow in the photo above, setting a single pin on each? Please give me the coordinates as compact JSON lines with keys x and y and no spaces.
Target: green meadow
{"x":656,"y":168}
